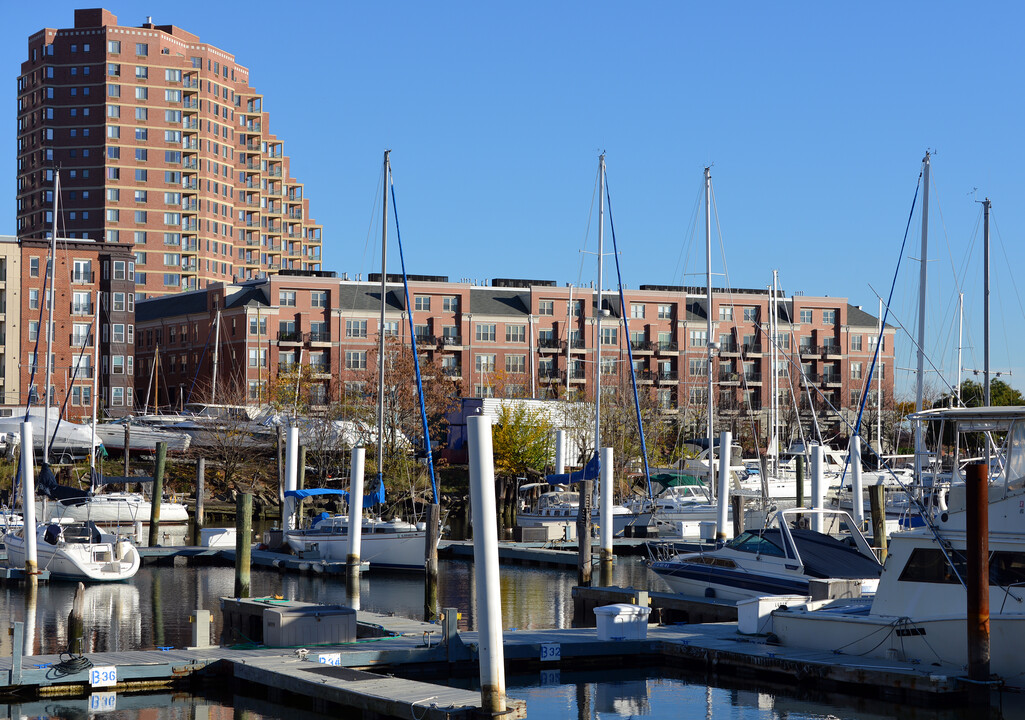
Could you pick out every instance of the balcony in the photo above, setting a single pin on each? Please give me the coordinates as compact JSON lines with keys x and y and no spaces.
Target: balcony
{"x":452,"y":341}
{"x":548,"y":344}
{"x":667,"y":376}
{"x":576,"y":375}
{"x":752,"y":377}
{"x":831,"y":379}
{"x":83,"y":278}
{"x":290,"y":337}
{"x":667,"y":347}
{"x":809,"y":351}
{"x":729,"y":378}
{"x":730,"y":348}
{"x":645,"y":377}
{"x":452,"y":372}
{"x":642,"y":346}
{"x":575,"y":345}
{"x":426,"y":340}
{"x":319,"y":337}
{"x":320,"y":371}
{"x":548,"y":375}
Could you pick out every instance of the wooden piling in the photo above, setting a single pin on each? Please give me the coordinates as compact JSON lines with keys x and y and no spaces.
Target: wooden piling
{"x":977,"y":582}
{"x":243,"y":543}
{"x":198,"y":521}
{"x":76,"y":621}
{"x":799,"y":468}
{"x":738,"y":515}
{"x":877,"y":506}
{"x":158,"y":494}
{"x":431,"y":562}
{"x":128,"y":448}
{"x":584,"y":562}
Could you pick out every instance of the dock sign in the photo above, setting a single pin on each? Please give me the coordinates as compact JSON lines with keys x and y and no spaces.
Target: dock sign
{"x":330,"y":659}
{"x":103,"y":676}
{"x":551,"y":652}
{"x":102,"y":702}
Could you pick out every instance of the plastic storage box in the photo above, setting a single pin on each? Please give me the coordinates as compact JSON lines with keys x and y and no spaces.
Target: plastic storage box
{"x":622,"y":621}
{"x":754,"y":616}
{"x":309,"y":625}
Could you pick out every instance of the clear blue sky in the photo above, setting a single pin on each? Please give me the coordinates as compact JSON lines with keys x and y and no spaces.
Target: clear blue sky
{"x":815,"y":115}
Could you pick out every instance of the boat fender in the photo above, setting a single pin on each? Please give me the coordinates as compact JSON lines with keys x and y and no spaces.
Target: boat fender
{"x":941,"y":497}
{"x":709,"y":592}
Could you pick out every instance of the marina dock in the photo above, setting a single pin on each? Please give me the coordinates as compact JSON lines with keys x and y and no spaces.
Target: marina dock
{"x":372,"y":673}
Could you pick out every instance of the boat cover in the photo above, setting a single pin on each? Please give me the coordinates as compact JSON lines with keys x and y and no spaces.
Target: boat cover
{"x":826,"y":557}
{"x":590,"y":472}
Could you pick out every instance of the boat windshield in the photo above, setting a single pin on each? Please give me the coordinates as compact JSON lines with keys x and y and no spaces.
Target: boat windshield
{"x":1016,"y":456}
{"x":758,"y":543}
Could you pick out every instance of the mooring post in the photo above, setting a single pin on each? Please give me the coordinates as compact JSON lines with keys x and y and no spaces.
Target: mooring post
{"x":450,"y":629}
{"x":977,"y":546}
{"x":799,"y":468}
{"x":485,"y":563}
{"x":28,"y":489}
{"x":722,"y":493}
{"x":128,"y":448}
{"x":158,"y":494}
{"x":857,"y":488}
{"x":431,"y":562}
{"x":737,"y":505}
{"x":300,"y":480}
{"x":877,"y":507}
{"x":818,"y":487}
{"x":605,"y":516}
{"x":584,"y":562}
{"x":243,"y":542}
{"x":560,"y":452}
{"x":352,"y":559}
{"x":291,"y":477}
{"x":199,"y":521}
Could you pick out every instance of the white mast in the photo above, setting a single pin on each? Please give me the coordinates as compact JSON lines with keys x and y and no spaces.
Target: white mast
{"x":598,"y":311}
{"x":51,"y":272}
{"x":985,"y":303}
{"x":96,"y":380}
{"x":708,"y":296}
{"x":380,"y":346}
{"x":923,"y":273}
{"x":774,"y":371}
{"x":879,"y":385}
{"x":217,"y":345}
{"x":960,"y":330}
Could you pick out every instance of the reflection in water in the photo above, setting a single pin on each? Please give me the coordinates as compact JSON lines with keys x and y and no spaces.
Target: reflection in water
{"x":153,"y":609}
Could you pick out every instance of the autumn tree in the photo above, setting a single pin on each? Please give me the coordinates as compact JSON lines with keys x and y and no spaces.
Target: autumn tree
{"x":521,"y":441}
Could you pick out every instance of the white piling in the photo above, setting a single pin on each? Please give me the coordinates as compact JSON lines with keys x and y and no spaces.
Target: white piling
{"x":356,"y":505}
{"x":560,"y":451}
{"x":28,"y":512}
{"x":722,"y":510}
{"x":485,"y":564}
{"x":291,"y":474}
{"x":818,"y":487}
{"x":857,"y":491}
{"x":605,"y":504}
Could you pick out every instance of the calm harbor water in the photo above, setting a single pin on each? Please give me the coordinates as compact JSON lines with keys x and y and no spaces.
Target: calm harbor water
{"x":153,"y":610}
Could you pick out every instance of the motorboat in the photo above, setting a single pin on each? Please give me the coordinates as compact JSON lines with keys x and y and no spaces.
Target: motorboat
{"x":918,"y":612}
{"x":76,"y":551}
{"x":777,"y":560}
{"x":386,"y":544}
{"x":557,"y":509}
{"x":69,"y":440}
{"x":142,"y":437}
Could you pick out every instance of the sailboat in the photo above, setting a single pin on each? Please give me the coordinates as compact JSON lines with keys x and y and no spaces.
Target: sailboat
{"x":76,"y":551}
{"x":392,"y":544}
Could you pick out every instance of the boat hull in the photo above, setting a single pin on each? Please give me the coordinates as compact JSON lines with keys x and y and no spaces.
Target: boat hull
{"x":117,"y":509}
{"x":403,"y":550}
{"x":86,"y":562}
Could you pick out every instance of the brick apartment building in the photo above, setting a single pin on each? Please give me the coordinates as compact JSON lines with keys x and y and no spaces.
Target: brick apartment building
{"x":519,"y":338}
{"x":162,"y":144}
{"x":89,"y":277}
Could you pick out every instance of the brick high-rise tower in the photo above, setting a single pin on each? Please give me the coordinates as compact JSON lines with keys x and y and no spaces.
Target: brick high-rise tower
{"x":162,"y":143}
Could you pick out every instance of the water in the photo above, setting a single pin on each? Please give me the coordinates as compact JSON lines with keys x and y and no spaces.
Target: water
{"x":153,"y":610}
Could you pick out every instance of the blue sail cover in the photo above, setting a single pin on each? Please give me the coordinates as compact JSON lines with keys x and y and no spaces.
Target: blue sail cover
{"x":371,"y":499}
{"x":590,"y":472}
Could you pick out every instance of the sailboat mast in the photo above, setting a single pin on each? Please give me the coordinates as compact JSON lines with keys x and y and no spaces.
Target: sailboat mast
{"x":599,"y":308}
{"x":960,"y":330}
{"x":51,"y":271}
{"x":774,"y":371}
{"x":985,"y":302}
{"x":708,"y":339}
{"x":380,"y":340}
{"x":923,"y":276}
{"x":217,"y":345}
{"x":96,"y":381}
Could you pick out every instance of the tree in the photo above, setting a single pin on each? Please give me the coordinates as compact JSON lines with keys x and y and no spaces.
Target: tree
{"x":972,"y":395}
{"x":521,"y":441}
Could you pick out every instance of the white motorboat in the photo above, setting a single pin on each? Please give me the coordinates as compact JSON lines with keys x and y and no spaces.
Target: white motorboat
{"x":777,"y":560}
{"x":385,"y":544}
{"x":919,"y":609}
{"x":77,"y":551}
{"x":557,"y":509}
{"x":142,"y":437}
{"x":69,"y":440}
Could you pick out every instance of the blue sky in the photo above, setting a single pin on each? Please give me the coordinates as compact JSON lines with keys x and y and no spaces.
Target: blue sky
{"x":815,"y":117}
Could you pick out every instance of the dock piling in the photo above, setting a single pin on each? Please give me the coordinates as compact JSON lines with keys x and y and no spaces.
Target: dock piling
{"x":355,"y":524}
{"x":877,"y":507}
{"x":818,"y":487}
{"x":431,"y":562}
{"x":243,"y":543}
{"x":28,"y":486}
{"x":76,"y":621}
{"x":857,"y":489}
{"x":977,"y":546}
{"x":605,"y":516}
{"x":158,"y":493}
{"x":199,"y":521}
{"x":722,"y":493}
{"x":584,"y":562}
{"x":485,"y":550}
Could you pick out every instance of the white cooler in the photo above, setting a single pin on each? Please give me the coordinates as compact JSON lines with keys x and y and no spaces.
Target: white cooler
{"x":622,"y":621}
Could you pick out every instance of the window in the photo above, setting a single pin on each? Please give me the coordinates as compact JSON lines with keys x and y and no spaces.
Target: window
{"x":113,"y":91}
{"x":356,"y":328}
{"x":33,"y":267}
{"x":726,"y":312}
{"x":141,"y":48}
{"x":807,"y":316}
{"x":114,"y":46}
{"x":829,"y":317}
{"x":318,"y":298}
{"x":576,"y":308}
{"x":141,"y":113}
{"x":698,"y":338}
{"x":141,"y":153}
{"x":546,"y":307}
{"x":609,"y":336}
{"x":698,"y":395}
{"x":141,"y":175}
{"x":141,"y":71}
{"x":33,"y":299}
{"x":516,"y":364}
{"x":257,"y":328}
{"x":422,"y":302}
{"x":117,"y":364}
{"x":484,"y":363}
{"x":486,"y":332}
{"x":665,"y":312}
{"x":141,"y":93}
{"x":173,"y":95}
{"x":856,"y":342}
{"x":355,"y":360}
{"x":515,"y":333}
{"x":140,"y":216}
{"x":872,"y":340}
{"x":636,"y":310}
{"x":82,"y":271}
{"x":117,"y":395}
{"x":750,"y":314}
{"x":698,"y":367}
{"x":33,"y":330}
{"x":450,"y":304}
{"x":118,"y":304}
{"x":118,"y":334}
{"x":257,"y":357}
{"x":119,"y":269}
{"x":286,"y":298}
{"x":80,"y":304}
